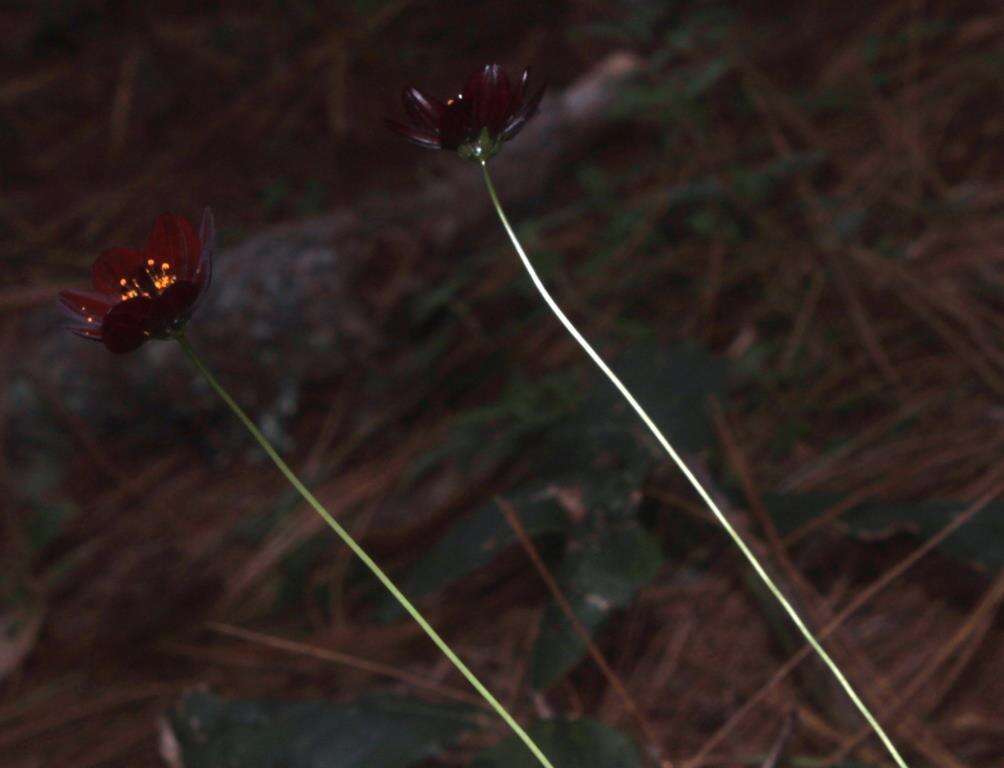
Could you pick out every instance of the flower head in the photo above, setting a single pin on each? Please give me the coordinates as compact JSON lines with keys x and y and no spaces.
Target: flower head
{"x":145,"y":294}
{"x":475,"y":122}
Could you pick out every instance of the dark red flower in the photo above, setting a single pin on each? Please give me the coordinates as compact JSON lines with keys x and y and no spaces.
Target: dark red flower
{"x":475,"y":122}
{"x":145,"y":294}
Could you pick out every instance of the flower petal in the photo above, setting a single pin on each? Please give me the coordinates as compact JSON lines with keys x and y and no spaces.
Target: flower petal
{"x":499,"y":106}
{"x":173,"y":241}
{"x":126,"y":326}
{"x":86,"y":306}
{"x":489,"y":105}
{"x":519,"y":91}
{"x":85,"y":311}
{"x":423,"y":110}
{"x":422,"y":137}
{"x":85,"y":332}
{"x":114,"y":265}
{"x":526,"y":110}
{"x":172,"y":307}
{"x":456,"y":126}
{"x":476,"y":89}
{"x":490,"y":96}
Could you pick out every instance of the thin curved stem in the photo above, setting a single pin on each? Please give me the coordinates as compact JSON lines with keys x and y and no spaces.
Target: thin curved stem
{"x":705,"y":496}
{"x":359,"y":552}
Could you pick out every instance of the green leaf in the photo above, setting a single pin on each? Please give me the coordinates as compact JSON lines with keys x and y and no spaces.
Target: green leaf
{"x":979,"y":541}
{"x":475,"y":541}
{"x":598,"y":578}
{"x":590,"y":445}
{"x":579,"y":744}
{"x":213,"y":732}
{"x":673,"y":384}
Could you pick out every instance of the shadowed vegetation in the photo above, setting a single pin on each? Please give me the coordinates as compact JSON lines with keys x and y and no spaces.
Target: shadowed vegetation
{"x":785,"y":233}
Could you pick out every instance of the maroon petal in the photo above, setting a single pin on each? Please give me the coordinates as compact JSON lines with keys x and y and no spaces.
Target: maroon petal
{"x":455,"y":126}
{"x":527,"y":110}
{"x":173,"y":307}
{"x":126,"y":326}
{"x":424,"y":110}
{"x":113,"y":265}
{"x":489,"y":103}
{"x":86,"y":307}
{"x":173,"y":242}
{"x":86,"y":311}
{"x":499,"y":105}
{"x":85,"y":332}
{"x":490,"y":96}
{"x":519,"y":92}
{"x":476,"y":89}
{"x":415,"y":135}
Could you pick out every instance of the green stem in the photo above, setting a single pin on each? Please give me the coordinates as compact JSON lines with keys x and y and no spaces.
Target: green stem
{"x":375,"y":569}
{"x":722,"y":519}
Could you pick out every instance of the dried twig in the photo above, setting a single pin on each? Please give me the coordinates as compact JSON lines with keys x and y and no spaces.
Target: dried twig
{"x":512,"y":517}
{"x":860,"y":600}
{"x":348,"y":660}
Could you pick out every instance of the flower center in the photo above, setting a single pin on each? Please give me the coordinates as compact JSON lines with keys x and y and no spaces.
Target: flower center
{"x":482,"y":148}
{"x":149,"y":281}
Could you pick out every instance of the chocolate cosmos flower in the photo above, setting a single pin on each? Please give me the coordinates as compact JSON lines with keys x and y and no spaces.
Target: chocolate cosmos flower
{"x":475,"y":122}
{"x":145,"y":294}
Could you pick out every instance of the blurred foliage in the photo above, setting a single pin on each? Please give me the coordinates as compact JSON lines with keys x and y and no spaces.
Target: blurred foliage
{"x":980,"y":541}
{"x":41,"y":510}
{"x":590,"y":456}
{"x":370,"y":733}
{"x":474,"y":541}
{"x":708,"y":176}
{"x":40,"y":464}
{"x":598,"y":577}
{"x":582,"y":744}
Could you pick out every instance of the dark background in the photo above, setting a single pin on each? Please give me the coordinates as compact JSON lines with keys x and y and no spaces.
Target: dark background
{"x":785,"y":228}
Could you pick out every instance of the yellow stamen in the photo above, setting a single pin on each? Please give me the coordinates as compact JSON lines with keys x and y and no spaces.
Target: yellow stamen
{"x":160,"y":278}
